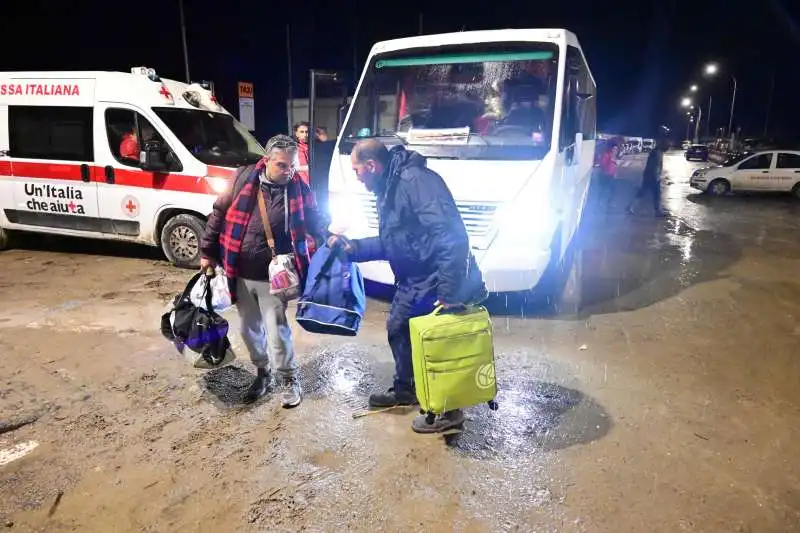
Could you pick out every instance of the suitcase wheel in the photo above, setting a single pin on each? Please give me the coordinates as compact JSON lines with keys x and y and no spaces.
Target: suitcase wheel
{"x":493,"y":405}
{"x":422,"y":411}
{"x":430,"y":418}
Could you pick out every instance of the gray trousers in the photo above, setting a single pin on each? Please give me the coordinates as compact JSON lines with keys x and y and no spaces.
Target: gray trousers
{"x":265,"y":329}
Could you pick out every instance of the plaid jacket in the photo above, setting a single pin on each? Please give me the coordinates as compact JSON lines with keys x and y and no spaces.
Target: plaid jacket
{"x":226,"y":227}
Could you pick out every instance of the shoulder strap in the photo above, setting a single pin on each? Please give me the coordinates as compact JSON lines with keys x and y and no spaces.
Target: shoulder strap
{"x":262,"y":206}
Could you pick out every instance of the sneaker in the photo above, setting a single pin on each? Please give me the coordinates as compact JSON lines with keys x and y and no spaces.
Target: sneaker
{"x":259,"y":387}
{"x":443,"y":422}
{"x":292,"y":393}
{"x":392,"y":398}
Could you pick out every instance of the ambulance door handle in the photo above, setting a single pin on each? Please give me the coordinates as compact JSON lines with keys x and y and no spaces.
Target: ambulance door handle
{"x":109,"y":174}
{"x":85,"y":175}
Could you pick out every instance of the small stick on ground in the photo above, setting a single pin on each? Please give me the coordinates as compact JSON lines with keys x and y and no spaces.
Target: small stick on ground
{"x":367,"y":412}
{"x":13,"y":425}
{"x":53,"y":507}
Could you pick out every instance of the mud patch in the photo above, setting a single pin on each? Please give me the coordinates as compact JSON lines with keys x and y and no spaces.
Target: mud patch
{"x":226,"y":385}
{"x":532,"y":416}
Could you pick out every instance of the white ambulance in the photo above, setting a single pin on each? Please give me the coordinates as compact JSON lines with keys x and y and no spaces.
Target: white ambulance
{"x":114,"y":155}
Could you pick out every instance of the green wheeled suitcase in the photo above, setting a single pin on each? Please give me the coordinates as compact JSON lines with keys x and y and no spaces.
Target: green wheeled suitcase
{"x":453,"y":357}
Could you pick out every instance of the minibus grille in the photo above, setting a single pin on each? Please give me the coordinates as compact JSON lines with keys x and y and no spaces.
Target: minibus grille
{"x":477,"y":216}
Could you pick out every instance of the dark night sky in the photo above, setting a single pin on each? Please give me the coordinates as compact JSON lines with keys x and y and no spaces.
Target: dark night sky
{"x":643,"y":54}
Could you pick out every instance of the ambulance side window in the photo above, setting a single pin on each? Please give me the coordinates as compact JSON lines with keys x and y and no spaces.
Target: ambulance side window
{"x":126,"y":129}
{"x":50,"y":132}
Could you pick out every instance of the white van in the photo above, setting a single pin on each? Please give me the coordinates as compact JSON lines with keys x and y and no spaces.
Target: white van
{"x":113,"y":155}
{"x":506,"y":117}
{"x":767,"y":171}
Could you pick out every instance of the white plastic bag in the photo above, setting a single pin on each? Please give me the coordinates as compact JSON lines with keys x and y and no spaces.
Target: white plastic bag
{"x":220,"y":295}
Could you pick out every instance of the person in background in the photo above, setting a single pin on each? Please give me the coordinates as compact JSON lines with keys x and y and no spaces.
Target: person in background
{"x":606,"y":176}
{"x":235,"y":238}
{"x":651,"y":179}
{"x":129,"y":145}
{"x":301,"y":137}
{"x":423,"y":237}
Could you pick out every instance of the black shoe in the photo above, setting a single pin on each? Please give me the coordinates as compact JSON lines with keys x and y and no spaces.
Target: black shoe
{"x":392,"y":398}
{"x":259,"y":387}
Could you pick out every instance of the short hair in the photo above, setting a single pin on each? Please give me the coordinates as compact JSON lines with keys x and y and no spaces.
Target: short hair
{"x":281,"y":143}
{"x":371,"y":149}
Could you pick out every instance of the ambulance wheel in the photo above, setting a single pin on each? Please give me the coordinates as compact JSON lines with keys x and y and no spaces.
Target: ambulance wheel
{"x":180,"y":240}
{"x":493,"y":405}
{"x":3,"y":239}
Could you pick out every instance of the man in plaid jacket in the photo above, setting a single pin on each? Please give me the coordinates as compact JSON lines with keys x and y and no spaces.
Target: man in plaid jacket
{"x":235,"y":238}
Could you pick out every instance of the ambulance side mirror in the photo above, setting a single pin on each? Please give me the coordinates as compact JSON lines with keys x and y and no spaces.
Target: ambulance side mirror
{"x":154,"y":157}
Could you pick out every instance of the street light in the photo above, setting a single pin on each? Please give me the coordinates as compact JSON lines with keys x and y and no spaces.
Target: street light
{"x":711,"y":70}
{"x":693,"y":88}
{"x":686,"y":102}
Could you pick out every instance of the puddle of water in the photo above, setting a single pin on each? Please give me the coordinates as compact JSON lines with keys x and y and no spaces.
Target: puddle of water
{"x":532,"y":416}
{"x":344,"y":371}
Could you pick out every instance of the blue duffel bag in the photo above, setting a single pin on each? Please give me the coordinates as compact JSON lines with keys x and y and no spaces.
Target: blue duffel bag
{"x":334,"y":300}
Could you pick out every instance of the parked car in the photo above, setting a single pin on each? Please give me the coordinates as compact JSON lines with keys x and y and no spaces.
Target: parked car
{"x":697,"y":152}
{"x":765,"y":171}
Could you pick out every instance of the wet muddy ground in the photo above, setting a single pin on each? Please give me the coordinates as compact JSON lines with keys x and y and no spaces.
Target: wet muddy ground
{"x":667,"y":399}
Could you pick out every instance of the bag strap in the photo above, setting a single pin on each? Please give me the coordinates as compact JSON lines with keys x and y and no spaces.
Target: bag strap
{"x":190,"y":285}
{"x":326,"y":266}
{"x":262,"y":206}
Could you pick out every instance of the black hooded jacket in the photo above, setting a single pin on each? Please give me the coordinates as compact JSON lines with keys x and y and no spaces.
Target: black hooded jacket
{"x":421,"y":232}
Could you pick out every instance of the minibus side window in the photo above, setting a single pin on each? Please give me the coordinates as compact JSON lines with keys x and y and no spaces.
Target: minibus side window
{"x":51,"y":132}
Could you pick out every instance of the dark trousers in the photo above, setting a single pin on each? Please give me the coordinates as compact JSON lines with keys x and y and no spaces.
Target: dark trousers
{"x":605,"y":190}
{"x":653,"y":188}
{"x":409,"y":302}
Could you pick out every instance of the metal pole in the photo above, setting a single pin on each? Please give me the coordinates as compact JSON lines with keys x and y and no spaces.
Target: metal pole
{"x":420,"y":23}
{"x":183,"y":36}
{"x":769,"y":104}
{"x":708,"y":119}
{"x":312,"y":136}
{"x":289,"y":70}
{"x":688,"y":125}
{"x":733,"y":103}
{"x":697,"y":124}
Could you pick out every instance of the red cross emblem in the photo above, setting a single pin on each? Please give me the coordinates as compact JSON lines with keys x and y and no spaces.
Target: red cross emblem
{"x":130,"y":206}
{"x":165,"y":92}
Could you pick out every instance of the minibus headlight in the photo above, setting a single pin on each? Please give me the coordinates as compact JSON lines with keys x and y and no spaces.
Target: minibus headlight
{"x":345,"y":212}
{"x":526,"y":222}
{"x":218,"y":185}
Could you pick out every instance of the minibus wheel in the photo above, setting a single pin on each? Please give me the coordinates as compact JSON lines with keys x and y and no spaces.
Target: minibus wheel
{"x":180,"y":240}
{"x":3,"y":239}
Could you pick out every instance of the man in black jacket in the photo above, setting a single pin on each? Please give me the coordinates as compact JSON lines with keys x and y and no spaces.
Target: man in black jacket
{"x":423,"y":237}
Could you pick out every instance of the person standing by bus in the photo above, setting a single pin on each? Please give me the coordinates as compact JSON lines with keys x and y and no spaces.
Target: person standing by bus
{"x":651,"y":179}
{"x":301,"y":137}
{"x":607,"y":175}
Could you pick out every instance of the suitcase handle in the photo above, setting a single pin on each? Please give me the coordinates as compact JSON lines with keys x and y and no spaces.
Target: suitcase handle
{"x":440,"y":310}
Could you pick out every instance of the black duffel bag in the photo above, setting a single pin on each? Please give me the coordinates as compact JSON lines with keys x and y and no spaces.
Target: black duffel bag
{"x":201,"y":330}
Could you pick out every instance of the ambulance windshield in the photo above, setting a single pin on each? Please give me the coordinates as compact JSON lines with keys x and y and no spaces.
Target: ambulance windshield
{"x":213,"y":138}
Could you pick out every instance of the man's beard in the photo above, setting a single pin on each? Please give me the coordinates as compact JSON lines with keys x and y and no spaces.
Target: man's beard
{"x":279,"y":180}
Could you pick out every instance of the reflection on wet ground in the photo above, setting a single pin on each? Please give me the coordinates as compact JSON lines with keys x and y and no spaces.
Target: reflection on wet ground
{"x":533,"y":416}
